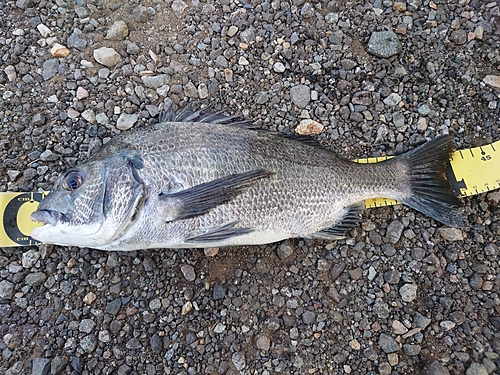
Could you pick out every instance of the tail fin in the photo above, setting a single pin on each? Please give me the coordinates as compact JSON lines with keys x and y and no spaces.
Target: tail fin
{"x":431,"y":192}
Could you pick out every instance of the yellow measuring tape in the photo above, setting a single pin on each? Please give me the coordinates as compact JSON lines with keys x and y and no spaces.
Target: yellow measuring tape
{"x":472,"y":171}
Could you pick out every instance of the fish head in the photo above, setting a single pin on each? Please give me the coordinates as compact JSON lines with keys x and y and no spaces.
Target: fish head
{"x":92,"y":204}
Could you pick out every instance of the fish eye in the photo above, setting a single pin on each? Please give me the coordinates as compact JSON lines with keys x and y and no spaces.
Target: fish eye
{"x":73,"y":180}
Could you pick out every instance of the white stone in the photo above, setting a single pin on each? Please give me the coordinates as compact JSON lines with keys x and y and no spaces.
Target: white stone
{"x":107,"y":56}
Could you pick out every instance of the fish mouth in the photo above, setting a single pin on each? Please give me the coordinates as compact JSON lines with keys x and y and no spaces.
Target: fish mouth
{"x":50,"y":217}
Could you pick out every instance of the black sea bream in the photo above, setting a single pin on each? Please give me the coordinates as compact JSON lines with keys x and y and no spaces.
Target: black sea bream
{"x":198,"y":179}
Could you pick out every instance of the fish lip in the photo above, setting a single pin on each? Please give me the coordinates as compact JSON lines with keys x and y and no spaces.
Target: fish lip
{"x":50,"y":217}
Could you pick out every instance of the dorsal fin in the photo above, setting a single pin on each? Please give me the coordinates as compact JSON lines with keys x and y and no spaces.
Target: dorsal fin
{"x":187,"y":114}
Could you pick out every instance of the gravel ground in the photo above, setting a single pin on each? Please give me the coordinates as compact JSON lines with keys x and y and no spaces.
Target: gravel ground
{"x":402,"y":295}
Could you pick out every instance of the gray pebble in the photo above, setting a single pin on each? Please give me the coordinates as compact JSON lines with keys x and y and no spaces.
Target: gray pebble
{"x":50,"y":69}
{"x":451,"y":234}
{"x":308,"y":317}
{"x":86,"y":325}
{"x":300,"y":95}
{"x":238,"y":360}
{"x":411,"y":349}
{"x":124,"y":369}
{"x":178,"y":7}
{"x":381,"y":308}
{"x":388,"y":344}
{"x":40,"y":366}
{"x":118,"y":31}
{"x":88,"y":343}
{"x":393,"y":99}
{"x":458,"y":36}
{"x":190,"y":90}
{"x":113,"y":306}
{"x":74,"y":41}
{"x":188,"y":272}
{"x":284,"y":250}
{"x":476,"y":369}
{"x":107,"y":56}
{"x":134,"y":344}
{"x":261,"y":97}
{"x":48,"y":155}
{"x":392,"y":276}
{"x":57,"y":365}
{"x":30,"y":258}
{"x":408,"y":292}
{"x":38,"y":119}
{"x":126,"y":121}
{"x":6,"y":289}
{"x":436,"y":368}
{"x":156,"y":343}
{"x":394,"y":231}
{"x":263,"y":343}
{"x":421,"y":321}
{"x":133,"y":49}
{"x":424,"y":110}
{"x":384,"y":44}
{"x":66,"y":287}
{"x":35,"y":279}
{"x":218,"y":292}
{"x":155,"y":82}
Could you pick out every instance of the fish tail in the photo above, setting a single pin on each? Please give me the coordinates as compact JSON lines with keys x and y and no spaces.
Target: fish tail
{"x":431,"y":192}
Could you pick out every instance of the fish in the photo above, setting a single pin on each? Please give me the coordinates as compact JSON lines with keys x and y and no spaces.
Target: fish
{"x":199,"y":179}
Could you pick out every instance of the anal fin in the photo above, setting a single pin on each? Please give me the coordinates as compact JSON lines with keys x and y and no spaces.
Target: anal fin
{"x":338,"y":230}
{"x":219,"y":234}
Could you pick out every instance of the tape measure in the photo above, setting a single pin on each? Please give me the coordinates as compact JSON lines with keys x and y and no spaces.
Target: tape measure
{"x":471,"y":171}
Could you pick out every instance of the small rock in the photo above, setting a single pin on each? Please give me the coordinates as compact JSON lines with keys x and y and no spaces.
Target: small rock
{"x":186,"y":308}
{"x":140,"y":14}
{"x":89,"y":115}
{"x":6,"y":289}
{"x":408,"y":292}
{"x":458,"y":36}
{"x":57,"y":365}
{"x":411,"y":349}
{"x":451,"y":234}
{"x":43,"y":30}
{"x":89,"y":298}
{"x":261,"y":97}
{"x":284,"y":250}
{"x":133,"y":49}
{"x":188,"y":272}
{"x":218,"y":292}
{"x":421,"y":321}
{"x":50,"y":68}
{"x":107,"y":56}
{"x":35,"y":279}
{"x":11,"y":73}
{"x":354,"y":344}
{"x":476,"y":369}
{"x":393,"y":99}
{"x":211,"y":251}
{"x":436,"y":368}
{"x":118,"y":31}
{"x":492,"y":81}
{"x":133,"y":344}
{"x":74,"y":41}
{"x":263,"y":343}
{"x":278,"y":67}
{"x":178,"y":7}
{"x":219,"y":328}
{"x":88,"y":343}
{"x":300,"y":95}
{"x":113,"y":306}
{"x":25,"y":4}
{"x":102,"y":118}
{"x":394,"y":231}
{"x":155,"y":82}
{"x":424,"y":110}
{"x":126,"y":121}
{"x":40,"y":366}
{"x":384,"y":44}
{"x":308,"y":317}
{"x":190,"y":90}
{"x":81,"y":93}
{"x":447,"y":325}
{"x":479,"y":32}
{"x":203,"y":91}
{"x":238,"y":360}
{"x":399,"y":328}
{"x":58,"y":50}
{"x":392,"y":276}
{"x":309,"y":127}
{"x":30,"y":258}
{"x":73,"y":113}
{"x":388,"y":344}
{"x":381,"y":308}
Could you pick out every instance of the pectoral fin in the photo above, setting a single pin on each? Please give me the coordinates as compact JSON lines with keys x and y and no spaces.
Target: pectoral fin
{"x":200,"y":199}
{"x":220,"y":234}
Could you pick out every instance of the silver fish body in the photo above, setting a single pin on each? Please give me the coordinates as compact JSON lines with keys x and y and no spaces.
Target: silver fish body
{"x":194,"y":182}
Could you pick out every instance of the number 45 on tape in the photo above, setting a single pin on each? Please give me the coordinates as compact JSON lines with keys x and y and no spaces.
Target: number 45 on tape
{"x":471,"y":171}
